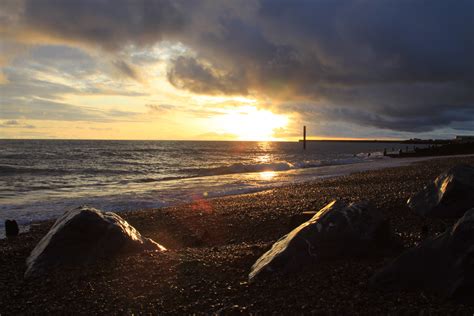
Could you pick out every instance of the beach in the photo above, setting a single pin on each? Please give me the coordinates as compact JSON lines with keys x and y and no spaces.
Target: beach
{"x":212,"y":243}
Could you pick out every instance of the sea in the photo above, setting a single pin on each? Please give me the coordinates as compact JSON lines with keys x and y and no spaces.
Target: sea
{"x":40,"y":179}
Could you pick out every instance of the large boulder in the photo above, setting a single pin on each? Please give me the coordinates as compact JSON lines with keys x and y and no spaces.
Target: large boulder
{"x":449,"y":196}
{"x":339,"y":229}
{"x":83,"y":235}
{"x":444,"y":264}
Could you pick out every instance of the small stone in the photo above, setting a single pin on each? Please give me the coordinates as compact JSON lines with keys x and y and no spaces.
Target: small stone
{"x":11,"y":228}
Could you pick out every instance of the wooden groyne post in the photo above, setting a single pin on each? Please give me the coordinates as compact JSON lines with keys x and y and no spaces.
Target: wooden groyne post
{"x":304,"y":137}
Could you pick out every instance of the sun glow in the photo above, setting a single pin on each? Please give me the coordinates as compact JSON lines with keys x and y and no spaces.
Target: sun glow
{"x":250,"y":123}
{"x":267,"y":175}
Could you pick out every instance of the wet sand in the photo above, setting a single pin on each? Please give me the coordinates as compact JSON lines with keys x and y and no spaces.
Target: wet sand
{"x":212,"y":245}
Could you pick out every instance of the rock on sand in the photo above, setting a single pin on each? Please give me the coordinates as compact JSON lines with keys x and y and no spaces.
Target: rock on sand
{"x":449,"y":196}
{"x":444,"y":264}
{"x":339,"y":229}
{"x":82,"y":235}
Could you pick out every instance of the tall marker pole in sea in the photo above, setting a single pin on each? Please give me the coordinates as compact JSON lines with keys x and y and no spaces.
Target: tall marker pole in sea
{"x":304,"y":137}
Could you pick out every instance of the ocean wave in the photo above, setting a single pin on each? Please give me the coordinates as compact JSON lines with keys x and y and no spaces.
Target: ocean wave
{"x":285,"y":165}
{"x":242,"y":168}
{"x":8,"y":170}
{"x":236,"y":168}
{"x":263,"y":167}
{"x":149,"y":170}
{"x":149,"y":180}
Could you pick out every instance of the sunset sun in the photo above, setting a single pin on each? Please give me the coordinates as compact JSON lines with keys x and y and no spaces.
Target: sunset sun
{"x":250,"y":123}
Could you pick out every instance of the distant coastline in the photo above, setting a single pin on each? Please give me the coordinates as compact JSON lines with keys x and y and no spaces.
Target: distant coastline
{"x":432,"y":147}
{"x":400,"y":141}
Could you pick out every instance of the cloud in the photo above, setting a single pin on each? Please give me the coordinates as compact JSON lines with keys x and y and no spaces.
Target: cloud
{"x":421,"y":122}
{"x":11,"y":123}
{"x":160,"y":108}
{"x":61,"y":60}
{"x":16,"y":124}
{"x":20,"y":85}
{"x":188,"y":73}
{"x":398,"y":65}
{"x":41,"y":109}
{"x":51,"y":71}
{"x":108,"y":24}
{"x":196,"y":112}
{"x":128,"y":70}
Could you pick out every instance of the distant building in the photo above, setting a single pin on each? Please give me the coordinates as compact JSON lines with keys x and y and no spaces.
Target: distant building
{"x":464,"y":139}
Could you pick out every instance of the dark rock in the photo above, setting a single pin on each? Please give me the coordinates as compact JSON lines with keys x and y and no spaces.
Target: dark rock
{"x":300,"y":218}
{"x":11,"y":228}
{"x":425,"y":230}
{"x":339,"y":229}
{"x":443,"y":264}
{"x":449,"y":196}
{"x":83,"y":235}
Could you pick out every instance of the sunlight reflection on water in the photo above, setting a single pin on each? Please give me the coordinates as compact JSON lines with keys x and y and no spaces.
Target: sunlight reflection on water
{"x":267,"y":175}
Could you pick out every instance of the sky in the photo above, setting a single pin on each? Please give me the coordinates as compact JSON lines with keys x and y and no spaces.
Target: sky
{"x":236,"y":70}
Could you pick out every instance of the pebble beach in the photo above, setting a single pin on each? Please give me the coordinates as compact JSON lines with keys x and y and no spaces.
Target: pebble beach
{"x":212,"y":243}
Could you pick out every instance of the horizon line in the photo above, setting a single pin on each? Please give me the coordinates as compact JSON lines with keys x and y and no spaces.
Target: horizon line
{"x":231,"y":140}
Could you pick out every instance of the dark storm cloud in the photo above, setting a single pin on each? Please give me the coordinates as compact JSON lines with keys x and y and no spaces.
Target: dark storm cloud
{"x":109,"y":23}
{"x":410,"y":107}
{"x":403,"y":65}
{"x":366,"y":41}
{"x":437,"y":117}
{"x":188,"y":73}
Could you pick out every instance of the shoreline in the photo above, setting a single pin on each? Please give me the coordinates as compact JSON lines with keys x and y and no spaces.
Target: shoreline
{"x":27,"y":216}
{"x":213,"y":243}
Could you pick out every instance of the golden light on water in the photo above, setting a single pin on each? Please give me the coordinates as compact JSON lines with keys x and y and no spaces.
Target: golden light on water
{"x":250,"y":123}
{"x":267,"y":175}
